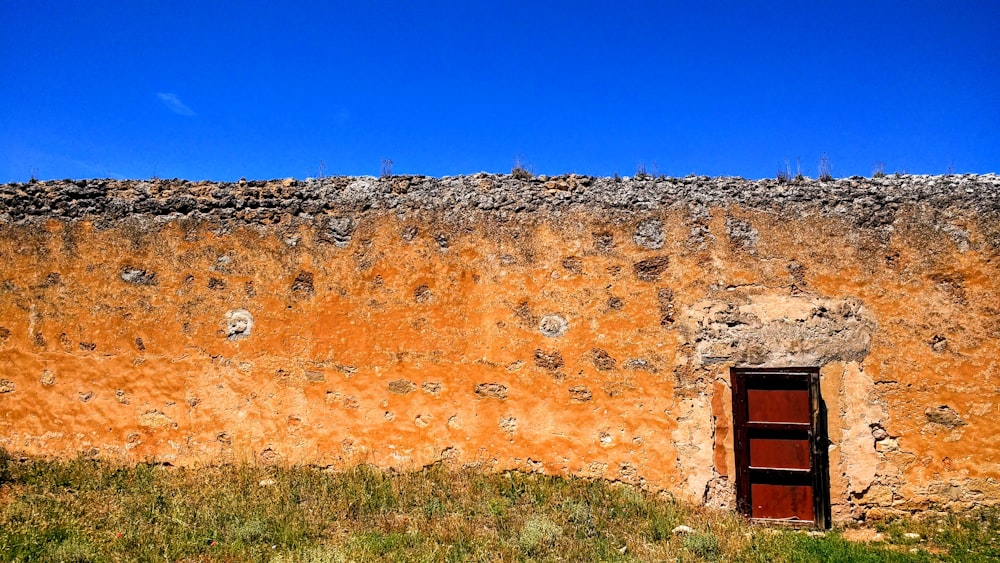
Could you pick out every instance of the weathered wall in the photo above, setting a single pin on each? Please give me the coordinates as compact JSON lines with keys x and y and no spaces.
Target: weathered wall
{"x":567,"y":325}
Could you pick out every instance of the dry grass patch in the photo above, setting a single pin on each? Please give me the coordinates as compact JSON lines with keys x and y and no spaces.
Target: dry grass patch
{"x":84,"y":510}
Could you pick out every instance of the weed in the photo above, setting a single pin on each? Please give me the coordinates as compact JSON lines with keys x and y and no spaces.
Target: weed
{"x":796,"y":546}
{"x":537,"y":534}
{"x":386,"y":168}
{"x":369,"y":492}
{"x":521,"y":169}
{"x":381,"y":545}
{"x":313,"y":554}
{"x":785,"y":176}
{"x":662,"y":520}
{"x":4,"y":466}
{"x":825,"y":168}
{"x":968,"y":537}
{"x":878,"y":170}
{"x":703,"y":545}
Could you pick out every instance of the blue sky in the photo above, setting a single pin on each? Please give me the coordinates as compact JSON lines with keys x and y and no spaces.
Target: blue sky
{"x":223,"y":90}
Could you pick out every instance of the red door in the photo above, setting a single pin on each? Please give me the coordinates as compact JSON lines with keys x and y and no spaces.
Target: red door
{"x":782,"y":470}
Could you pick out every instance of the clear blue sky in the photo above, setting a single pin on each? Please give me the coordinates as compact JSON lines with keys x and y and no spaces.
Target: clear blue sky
{"x":222,"y":90}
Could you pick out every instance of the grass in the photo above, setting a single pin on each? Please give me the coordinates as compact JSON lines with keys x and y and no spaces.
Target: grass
{"x":85,"y":510}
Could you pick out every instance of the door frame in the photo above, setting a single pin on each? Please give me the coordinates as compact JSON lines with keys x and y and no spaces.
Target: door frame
{"x":743,"y":378}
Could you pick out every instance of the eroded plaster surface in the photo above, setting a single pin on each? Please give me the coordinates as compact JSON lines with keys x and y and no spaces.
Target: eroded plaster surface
{"x":566,"y":325}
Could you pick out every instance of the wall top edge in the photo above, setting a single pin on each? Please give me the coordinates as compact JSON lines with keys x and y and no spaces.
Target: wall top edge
{"x":865,"y":201}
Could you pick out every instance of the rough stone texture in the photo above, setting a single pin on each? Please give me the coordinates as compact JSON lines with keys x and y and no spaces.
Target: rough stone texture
{"x":402,"y":386}
{"x":651,"y":269}
{"x":586,"y":325}
{"x":137,"y":276}
{"x":649,"y":234}
{"x":580,"y":393}
{"x":551,"y":361}
{"x":553,"y":326}
{"x":493,"y":390}
{"x":874,"y":203}
{"x":239,"y":323}
{"x":338,"y":230}
{"x":754,"y":327}
{"x":945,"y":416}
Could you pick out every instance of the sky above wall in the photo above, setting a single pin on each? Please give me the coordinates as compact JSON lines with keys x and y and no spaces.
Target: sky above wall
{"x":224,"y":90}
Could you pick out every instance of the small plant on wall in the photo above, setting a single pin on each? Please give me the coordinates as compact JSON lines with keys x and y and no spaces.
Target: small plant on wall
{"x":825,"y":168}
{"x":521,"y":170}
{"x":785,"y":176}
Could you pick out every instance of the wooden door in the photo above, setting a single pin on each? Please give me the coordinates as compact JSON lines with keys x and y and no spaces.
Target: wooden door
{"x":782,"y":468}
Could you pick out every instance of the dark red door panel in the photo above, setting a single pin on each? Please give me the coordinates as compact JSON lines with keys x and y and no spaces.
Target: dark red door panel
{"x":778,"y":405}
{"x":780,"y":452}
{"x":782,"y":502}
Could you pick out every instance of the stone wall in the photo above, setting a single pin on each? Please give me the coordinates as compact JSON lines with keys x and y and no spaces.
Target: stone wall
{"x":569,"y":325}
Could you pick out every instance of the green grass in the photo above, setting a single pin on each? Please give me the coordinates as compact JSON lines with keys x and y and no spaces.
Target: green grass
{"x":84,"y":510}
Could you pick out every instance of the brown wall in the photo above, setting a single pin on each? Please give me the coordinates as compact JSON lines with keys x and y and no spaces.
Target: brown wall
{"x":584,"y":342}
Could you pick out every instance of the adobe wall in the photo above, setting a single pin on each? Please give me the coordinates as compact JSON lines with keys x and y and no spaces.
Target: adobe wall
{"x":569,"y":325}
